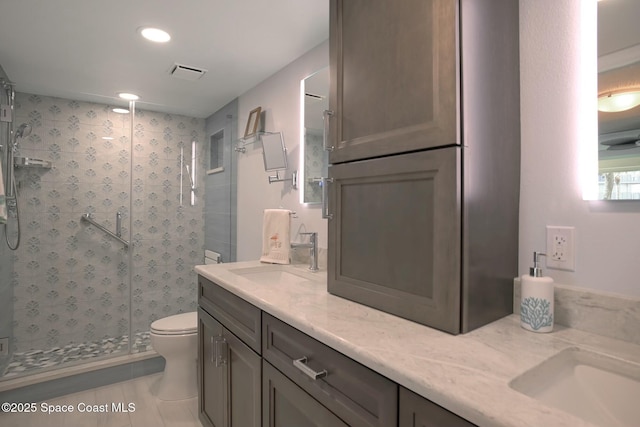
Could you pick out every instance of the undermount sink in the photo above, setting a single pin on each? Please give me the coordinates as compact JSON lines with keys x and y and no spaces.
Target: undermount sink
{"x":270,"y":275}
{"x":597,"y":388}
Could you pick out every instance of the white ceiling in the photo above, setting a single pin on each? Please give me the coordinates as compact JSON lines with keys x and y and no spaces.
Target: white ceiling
{"x":618,"y":25}
{"x":89,"y":49}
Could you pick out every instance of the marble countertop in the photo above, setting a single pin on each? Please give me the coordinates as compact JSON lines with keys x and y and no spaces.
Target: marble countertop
{"x":467,"y":374}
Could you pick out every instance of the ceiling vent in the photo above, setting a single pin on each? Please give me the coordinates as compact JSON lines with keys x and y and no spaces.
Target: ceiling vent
{"x":186,"y":72}
{"x":312,"y":98}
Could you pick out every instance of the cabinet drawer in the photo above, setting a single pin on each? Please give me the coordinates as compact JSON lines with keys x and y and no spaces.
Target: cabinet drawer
{"x":235,"y":314}
{"x":356,"y":394}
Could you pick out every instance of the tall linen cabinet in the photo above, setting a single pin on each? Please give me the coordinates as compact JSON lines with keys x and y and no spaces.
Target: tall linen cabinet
{"x":424,"y":131}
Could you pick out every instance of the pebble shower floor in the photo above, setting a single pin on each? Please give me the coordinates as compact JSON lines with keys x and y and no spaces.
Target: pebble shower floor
{"x":33,"y":360}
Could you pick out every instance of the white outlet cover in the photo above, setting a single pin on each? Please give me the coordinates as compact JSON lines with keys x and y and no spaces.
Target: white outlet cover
{"x":561,"y":248}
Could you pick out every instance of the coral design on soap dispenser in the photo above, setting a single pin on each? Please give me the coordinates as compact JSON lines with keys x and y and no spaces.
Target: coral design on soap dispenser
{"x":536,"y":312}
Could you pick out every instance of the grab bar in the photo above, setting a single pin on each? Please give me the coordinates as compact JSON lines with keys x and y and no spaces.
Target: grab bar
{"x":87,"y":218}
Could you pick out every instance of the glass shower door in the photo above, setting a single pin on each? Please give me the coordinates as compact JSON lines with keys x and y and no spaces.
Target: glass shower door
{"x":78,"y":293}
{"x":70,"y":279}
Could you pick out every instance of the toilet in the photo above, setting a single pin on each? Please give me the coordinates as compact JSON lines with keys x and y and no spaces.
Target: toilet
{"x":176,"y":339}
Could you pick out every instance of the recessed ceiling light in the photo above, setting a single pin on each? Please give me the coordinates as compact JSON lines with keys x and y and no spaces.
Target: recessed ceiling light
{"x":107,"y":138}
{"x":155,"y":34}
{"x":120,"y":110}
{"x":128,"y":96}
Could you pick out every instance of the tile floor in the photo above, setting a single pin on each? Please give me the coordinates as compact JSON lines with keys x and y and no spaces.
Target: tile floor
{"x":148,"y":410}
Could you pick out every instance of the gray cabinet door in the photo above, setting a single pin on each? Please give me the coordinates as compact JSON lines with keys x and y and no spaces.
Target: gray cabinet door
{"x":287,"y":405}
{"x":212,"y":396}
{"x":416,"y":411}
{"x":244,"y":371}
{"x":230,"y":377}
{"x":395,"y":236}
{"x":394,"y":76}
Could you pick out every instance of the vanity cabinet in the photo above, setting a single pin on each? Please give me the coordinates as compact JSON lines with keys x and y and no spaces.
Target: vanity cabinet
{"x":230,"y":370}
{"x":293,"y":379}
{"x":425,"y":168}
{"x":416,"y":411}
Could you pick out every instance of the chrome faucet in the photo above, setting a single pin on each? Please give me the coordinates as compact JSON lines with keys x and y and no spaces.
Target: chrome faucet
{"x":313,"y":249}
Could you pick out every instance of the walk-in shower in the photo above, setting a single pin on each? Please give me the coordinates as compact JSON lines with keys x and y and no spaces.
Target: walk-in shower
{"x":71,"y":292}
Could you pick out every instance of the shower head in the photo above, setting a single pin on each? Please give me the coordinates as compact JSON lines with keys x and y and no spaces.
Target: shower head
{"x":23,"y":131}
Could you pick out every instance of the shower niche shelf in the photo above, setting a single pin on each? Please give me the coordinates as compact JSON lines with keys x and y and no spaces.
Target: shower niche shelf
{"x":29,"y":162}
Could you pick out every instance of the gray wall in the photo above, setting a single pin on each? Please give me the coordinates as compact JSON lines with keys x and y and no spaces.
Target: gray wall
{"x":221,"y":201}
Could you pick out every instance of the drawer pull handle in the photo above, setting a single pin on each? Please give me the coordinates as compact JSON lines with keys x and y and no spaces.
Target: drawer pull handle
{"x":301,"y":364}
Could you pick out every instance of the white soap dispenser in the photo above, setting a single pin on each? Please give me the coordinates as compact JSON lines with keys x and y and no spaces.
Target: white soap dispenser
{"x":536,"y":299}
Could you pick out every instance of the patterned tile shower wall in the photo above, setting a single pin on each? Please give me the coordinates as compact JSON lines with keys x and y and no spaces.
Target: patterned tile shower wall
{"x":71,"y":281}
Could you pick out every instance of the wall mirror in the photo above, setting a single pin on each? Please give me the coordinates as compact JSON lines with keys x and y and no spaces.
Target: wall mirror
{"x":274,"y":152}
{"x":315,"y":160}
{"x":619,"y":108}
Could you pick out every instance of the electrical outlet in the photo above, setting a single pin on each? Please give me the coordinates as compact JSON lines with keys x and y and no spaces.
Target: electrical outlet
{"x":560,"y":248}
{"x":4,"y":346}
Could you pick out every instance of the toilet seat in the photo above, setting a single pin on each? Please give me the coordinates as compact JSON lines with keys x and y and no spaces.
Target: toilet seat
{"x":179,"y":324}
